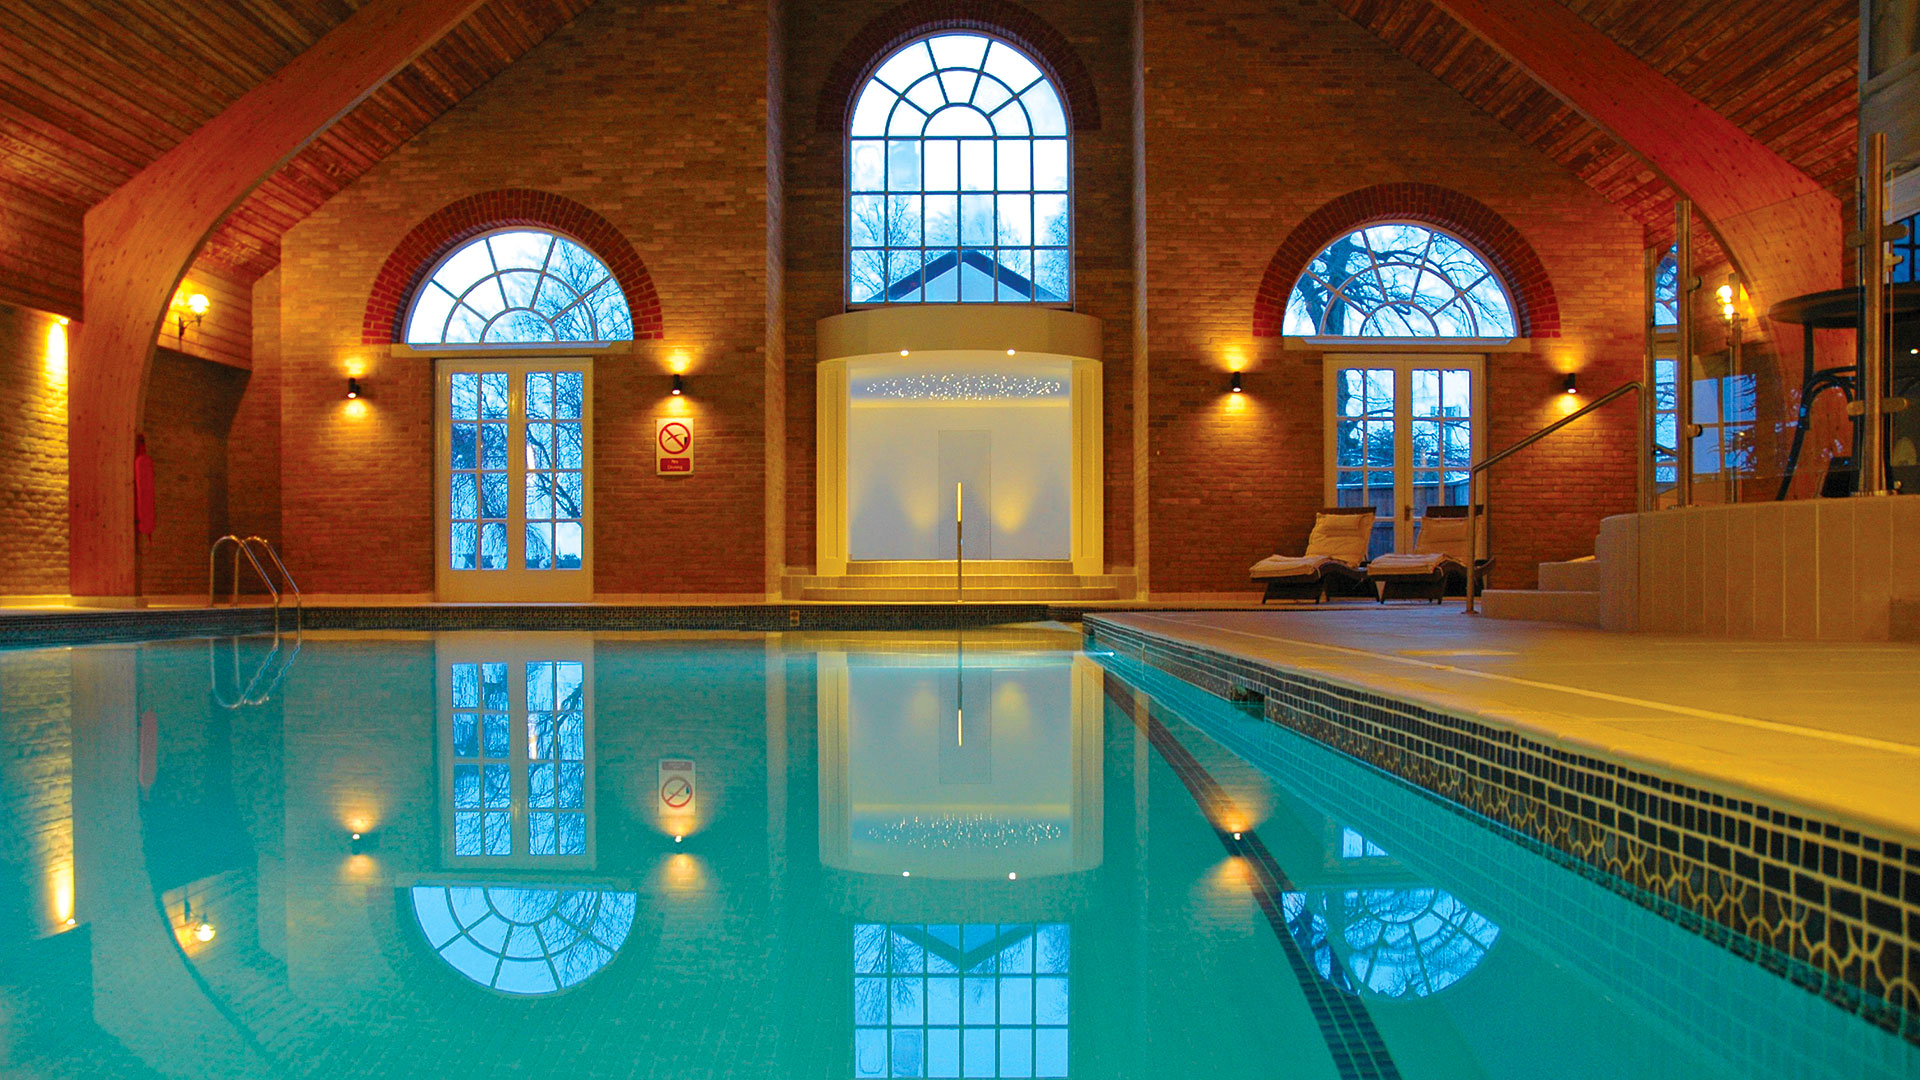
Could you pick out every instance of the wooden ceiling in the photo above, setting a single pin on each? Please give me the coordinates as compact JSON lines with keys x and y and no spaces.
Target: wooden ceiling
{"x":91,"y":91}
{"x":95,"y":90}
{"x":1785,"y":72}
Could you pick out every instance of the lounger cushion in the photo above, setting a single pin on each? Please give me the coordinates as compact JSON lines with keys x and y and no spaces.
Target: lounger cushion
{"x":1341,"y":536}
{"x":1448,"y":536}
{"x":1409,"y":565}
{"x":1279,"y":567}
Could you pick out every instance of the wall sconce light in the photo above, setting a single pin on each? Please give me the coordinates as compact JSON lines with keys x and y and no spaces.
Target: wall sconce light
{"x":1728,"y":309}
{"x":188,"y":308}
{"x":1234,"y":386}
{"x":1572,"y":385}
{"x":353,"y":388}
{"x":679,"y":386}
{"x":202,"y":930}
{"x":362,"y":842}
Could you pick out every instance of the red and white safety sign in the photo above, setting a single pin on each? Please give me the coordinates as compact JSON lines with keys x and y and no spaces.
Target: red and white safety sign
{"x":676,"y":787}
{"x":673,"y":446}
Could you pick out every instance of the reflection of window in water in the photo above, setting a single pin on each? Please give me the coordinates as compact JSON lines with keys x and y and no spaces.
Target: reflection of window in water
{"x":512,"y":798}
{"x":1355,"y":846}
{"x":521,"y":940}
{"x":979,"y":999}
{"x":1391,"y":942}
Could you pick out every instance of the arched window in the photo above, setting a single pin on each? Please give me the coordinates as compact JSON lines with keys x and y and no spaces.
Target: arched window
{"x":518,"y":286}
{"x":959,"y":178}
{"x":1390,"y":943}
{"x":1399,"y":280}
{"x":520,"y":940}
{"x":1666,"y":291}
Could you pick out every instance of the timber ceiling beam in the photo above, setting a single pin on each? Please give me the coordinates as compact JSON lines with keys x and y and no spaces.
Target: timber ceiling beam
{"x":1780,"y":228}
{"x":138,"y":242}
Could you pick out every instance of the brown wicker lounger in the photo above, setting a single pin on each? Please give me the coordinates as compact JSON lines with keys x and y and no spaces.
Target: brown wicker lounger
{"x":1438,"y":566}
{"x":1334,"y":562}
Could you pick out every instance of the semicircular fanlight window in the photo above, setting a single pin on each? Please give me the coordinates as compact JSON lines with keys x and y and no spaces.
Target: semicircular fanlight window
{"x":516,"y":287}
{"x":523,"y":940}
{"x":1390,"y":943}
{"x":1399,"y":280}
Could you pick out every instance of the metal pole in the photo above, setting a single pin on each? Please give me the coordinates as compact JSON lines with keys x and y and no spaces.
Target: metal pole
{"x":1873,"y":339}
{"x":959,"y":541}
{"x":1685,"y":284}
{"x":1473,"y":533}
{"x":1735,"y":333}
{"x":1649,"y":461}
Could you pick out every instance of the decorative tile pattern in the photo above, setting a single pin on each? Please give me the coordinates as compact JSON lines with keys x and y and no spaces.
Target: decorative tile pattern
{"x":1844,"y":905}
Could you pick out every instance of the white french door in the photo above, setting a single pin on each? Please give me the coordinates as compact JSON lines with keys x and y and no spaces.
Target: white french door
{"x":514,"y":480}
{"x":1401,"y":434}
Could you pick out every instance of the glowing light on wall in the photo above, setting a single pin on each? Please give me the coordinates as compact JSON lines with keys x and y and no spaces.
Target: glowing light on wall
{"x":56,"y":361}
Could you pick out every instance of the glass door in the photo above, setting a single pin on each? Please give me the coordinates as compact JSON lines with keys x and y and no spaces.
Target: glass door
{"x":514,"y":483}
{"x":1400,"y":438}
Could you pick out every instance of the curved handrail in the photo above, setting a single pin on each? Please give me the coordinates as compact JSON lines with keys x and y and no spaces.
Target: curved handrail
{"x":239,"y":546}
{"x":1473,"y":474}
{"x":267,"y":546}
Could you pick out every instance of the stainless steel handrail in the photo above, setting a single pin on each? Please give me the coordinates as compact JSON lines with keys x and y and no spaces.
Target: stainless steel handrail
{"x":244,"y":545}
{"x":1473,"y":474}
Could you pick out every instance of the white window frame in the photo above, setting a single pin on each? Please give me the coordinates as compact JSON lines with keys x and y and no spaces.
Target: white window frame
{"x":515,"y":583}
{"x":1403,"y":365}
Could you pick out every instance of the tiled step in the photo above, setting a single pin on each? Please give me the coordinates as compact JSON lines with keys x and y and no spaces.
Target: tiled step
{"x":892,"y":567}
{"x":911,"y":596}
{"x":1580,"y":607}
{"x":989,"y":582}
{"x":1577,"y":575}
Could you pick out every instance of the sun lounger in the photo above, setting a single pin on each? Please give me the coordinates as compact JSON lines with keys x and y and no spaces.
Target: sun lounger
{"x":1336,"y":553}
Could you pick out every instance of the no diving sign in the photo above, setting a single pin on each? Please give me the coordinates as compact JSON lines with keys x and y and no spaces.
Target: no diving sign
{"x":673,"y":446}
{"x":676,"y":787}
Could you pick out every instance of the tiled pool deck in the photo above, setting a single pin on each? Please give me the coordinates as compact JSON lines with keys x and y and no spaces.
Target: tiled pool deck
{"x":1770,"y":789}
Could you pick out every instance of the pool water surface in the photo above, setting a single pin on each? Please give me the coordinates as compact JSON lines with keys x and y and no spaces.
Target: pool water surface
{"x":809,"y":855}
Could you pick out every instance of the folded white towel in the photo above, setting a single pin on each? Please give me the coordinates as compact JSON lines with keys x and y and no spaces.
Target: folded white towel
{"x":1400,"y":565}
{"x":1286,"y":566}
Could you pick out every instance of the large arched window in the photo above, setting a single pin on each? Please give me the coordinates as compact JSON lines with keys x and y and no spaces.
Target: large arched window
{"x":959,"y":178}
{"x":519,"y":286}
{"x":524,"y":940}
{"x":1399,"y":280}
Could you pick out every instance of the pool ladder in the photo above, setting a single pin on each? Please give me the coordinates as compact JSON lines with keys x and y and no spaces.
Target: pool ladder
{"x":253,"y":693}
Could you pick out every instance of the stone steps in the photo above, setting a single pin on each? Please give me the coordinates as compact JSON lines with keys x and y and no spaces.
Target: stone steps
{"x":933,"y":582}
{"x":1569,"y":592}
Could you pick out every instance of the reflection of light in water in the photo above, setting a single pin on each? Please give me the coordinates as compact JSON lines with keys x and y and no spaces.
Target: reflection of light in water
{"x":980,"y":999}
{"x":953,"y":831}
{"x":1393,"y":943}
{"x":524,"y":940}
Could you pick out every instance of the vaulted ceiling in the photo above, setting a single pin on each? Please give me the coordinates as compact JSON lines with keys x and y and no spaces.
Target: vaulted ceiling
{"x":1785,"y":72}
{"x":92,"y":91}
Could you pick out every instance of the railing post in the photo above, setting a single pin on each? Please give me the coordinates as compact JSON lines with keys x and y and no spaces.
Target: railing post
{"x":1473,"y":535}
{"x":1685,"y":284}
{"x":1872,"y":451}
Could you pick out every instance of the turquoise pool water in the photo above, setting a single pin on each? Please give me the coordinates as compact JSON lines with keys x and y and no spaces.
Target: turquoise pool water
{"x":808,"y":855}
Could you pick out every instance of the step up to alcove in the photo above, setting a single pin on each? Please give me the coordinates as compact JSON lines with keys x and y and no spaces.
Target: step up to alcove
{"x":901,"y":581}
{"x":1569,"y":592}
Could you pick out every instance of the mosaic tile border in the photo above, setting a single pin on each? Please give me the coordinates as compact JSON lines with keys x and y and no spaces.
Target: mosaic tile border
{"x":1835,"y":911}
{"x":39,"y":629}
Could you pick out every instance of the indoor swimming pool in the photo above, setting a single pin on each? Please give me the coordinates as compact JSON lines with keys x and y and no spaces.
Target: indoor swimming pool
{"x":982,"y":853}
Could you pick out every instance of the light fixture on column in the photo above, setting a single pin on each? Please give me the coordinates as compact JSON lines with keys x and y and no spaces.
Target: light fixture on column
{"x":1234,"y":386}
{"x":187,"y":308}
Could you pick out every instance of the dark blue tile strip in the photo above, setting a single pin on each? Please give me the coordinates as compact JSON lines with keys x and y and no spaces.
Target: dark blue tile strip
{"x":1351,"y":1037}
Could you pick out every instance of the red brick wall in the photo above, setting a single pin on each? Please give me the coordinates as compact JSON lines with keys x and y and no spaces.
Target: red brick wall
{"x":1088,"y":43}
{"x":253,"y":446}
{"x":190,"y":410}
{"x":33,"y":453}
{"x":624,"y":111}
{"x":1256,"y":116}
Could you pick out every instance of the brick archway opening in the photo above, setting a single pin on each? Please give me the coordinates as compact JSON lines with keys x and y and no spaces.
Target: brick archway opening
{"x":458,"y":222}
{"x":1536,"y":309}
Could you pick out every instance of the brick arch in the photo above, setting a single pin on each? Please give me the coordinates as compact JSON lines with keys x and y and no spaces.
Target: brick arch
{"x":454,"y":224}
{"x":1537,"y":310}
{"x":917,"y":18}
